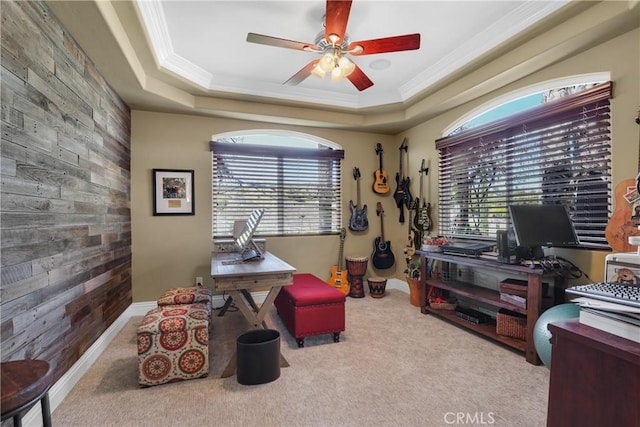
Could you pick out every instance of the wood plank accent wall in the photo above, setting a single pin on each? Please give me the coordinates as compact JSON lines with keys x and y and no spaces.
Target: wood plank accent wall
{"x":65,"y":194}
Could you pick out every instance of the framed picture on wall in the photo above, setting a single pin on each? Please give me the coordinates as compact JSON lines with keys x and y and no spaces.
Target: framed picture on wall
{"x":173,"y":192}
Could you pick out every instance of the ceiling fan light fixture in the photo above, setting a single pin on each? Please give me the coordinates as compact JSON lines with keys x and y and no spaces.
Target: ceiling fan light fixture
{"x":327,"y":62}
{"x":318,"y":72}
{"x":346,"y":66}
{"x":333,"y":43}
{"x":337,"y":74}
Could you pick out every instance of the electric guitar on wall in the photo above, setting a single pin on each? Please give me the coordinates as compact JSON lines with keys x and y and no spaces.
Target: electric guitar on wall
{"x":358,"y":221}
{"x":382,"y":257}
{"x":625,"y":220}
{"x":402,"y":195}
{"x":381,"y":180}
{"x":412,"y":234}
{"x":338,"y":277}
{"x":424,"y":213}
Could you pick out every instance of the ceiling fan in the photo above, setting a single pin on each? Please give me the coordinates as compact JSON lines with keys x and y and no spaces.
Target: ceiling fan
{"x":333,"y":44}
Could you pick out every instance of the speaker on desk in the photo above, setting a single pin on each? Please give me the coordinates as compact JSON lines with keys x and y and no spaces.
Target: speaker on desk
{"x":506,"y":246}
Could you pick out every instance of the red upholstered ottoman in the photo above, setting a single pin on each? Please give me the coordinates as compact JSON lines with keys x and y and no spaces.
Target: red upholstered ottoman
{"x":311,"y":307}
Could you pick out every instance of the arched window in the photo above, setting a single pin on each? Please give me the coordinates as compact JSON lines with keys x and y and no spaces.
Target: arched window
{"x":524,"y":99}
{"x":558,"y":152}
{"x":295,"y":177}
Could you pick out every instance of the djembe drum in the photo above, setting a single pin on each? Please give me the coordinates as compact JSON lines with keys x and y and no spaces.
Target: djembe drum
{"x":356,"y":269}
{"x":377,"y":286}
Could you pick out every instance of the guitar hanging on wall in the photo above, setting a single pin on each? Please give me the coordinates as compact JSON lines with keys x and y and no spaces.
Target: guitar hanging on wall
{"x":339,"y":279}
{"x":424,"y":212}
{"x":358,"y":221}
{"x":382,"y":257}
{"x":413,"y":235}
{"x":402,"y":196}
{"x":626,"y":219}
{"x":380,"y":178}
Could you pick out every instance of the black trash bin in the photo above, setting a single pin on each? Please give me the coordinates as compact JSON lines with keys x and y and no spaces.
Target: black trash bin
{"x":258,"y":353}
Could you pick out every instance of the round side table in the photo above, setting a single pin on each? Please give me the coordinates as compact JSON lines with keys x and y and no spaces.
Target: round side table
{"x":23,"y":384}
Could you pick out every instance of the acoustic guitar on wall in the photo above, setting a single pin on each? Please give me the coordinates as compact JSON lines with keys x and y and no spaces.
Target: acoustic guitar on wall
{"x":338,"y":277}
{"x":382,"y":257}
{"x":380,"y":177}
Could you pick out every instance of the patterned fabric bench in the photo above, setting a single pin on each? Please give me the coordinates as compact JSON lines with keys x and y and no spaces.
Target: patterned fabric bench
{"x":311,"y":307}
{"x":173,"y":344}
{"x":190,"y":295}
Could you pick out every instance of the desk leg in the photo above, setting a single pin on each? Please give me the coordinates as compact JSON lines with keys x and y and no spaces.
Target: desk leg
{"x":245,"y":307}
{"x":283,"y":361}
{"x":225,"y":307}
{"x":268,"y":302}
{"x":231,"y":366}
{"x":248,"y":308}
{"x":253,"y":304}
{"x":229,"y":301}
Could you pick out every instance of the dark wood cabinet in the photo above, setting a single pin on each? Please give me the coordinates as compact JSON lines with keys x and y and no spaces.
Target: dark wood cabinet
{"x":595,"y":377}
{"x":487,"y":296}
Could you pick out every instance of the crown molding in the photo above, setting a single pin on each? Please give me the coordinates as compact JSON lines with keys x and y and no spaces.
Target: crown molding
{"x":500,"y":31}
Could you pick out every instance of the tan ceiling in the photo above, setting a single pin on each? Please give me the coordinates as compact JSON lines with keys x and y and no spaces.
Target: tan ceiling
{"x":192,"y":56}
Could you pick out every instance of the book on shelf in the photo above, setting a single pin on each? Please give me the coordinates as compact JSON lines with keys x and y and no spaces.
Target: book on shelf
{"x":514,"y":299}
{"x":622,"y":324}
{"x":472,"y":316}
{"x":514,"y":287}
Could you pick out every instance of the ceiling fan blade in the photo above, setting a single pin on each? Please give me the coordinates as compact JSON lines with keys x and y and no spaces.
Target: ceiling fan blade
{"x":336,"y":18}
{"x":302,"y":74}
{"x":387,"y":44}
{"x":359,"y":79}
{"x":277,"y":42}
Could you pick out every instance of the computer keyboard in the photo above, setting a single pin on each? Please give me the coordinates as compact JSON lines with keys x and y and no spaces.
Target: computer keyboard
{"x":611,"y":292}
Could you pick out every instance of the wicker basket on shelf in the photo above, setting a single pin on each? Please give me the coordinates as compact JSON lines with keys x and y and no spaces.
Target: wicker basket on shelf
{"x":511,"y":324}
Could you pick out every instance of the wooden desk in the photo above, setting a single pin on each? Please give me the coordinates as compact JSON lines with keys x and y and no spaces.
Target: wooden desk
{"x":595,"y":377}
{"x":239,"y":278}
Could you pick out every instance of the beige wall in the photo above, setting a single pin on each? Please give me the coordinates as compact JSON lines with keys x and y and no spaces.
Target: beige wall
{"x":170,"y":251}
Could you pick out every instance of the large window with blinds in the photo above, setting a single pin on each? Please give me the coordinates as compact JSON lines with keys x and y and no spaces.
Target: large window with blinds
{"x":555,"y":153}
{"x":299,"y":186}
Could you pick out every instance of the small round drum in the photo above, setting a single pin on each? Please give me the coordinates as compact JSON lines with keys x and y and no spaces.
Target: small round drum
{"x":356,"y":269}
{"x":357,"y":266}
{"x":377,"y":286}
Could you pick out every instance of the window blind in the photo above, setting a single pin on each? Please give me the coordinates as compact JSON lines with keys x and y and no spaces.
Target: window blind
{"x":299,"y":188}
{"x":556,"y":153}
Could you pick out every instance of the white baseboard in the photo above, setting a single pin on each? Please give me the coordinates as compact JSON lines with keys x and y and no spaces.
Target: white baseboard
{"x":65,"y":384}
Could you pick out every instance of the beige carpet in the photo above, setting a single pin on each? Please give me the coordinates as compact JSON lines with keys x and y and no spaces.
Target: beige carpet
{"x":393,"y":367}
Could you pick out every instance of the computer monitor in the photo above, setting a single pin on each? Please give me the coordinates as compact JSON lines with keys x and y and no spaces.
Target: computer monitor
{"x":536,"y":226}
{"x":244,"y":243}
